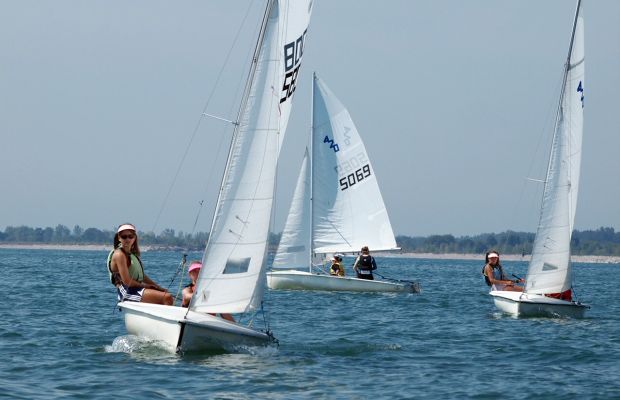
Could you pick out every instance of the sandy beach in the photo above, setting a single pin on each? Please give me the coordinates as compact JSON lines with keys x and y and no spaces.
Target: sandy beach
{"x":447,"y":256}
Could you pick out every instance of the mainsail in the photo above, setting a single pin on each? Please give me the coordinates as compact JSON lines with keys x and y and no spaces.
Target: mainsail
{"x":231,"y":280}
{"x":347,"y":207}
{"x":337,"y":205}
{"x":549,"y":269}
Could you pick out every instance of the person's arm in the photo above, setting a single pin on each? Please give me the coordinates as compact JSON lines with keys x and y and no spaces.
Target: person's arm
{"x":187,"y":296}
{"x":357,"y":261}
{"x":374,"y":263}
{"x":152,"y":284}
{"x":120,"y":261}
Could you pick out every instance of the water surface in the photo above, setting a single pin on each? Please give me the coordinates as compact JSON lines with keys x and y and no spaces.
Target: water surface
{"x":61,"y":337}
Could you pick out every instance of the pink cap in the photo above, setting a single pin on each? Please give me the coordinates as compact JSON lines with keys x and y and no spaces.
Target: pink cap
{"x":193,"y":266}
{"x":493,"y":255}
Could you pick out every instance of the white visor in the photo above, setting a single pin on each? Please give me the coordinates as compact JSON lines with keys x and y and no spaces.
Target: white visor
{"x":126,"y":227}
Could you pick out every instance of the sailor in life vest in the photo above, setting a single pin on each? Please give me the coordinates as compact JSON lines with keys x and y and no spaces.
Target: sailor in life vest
{"x":365,"y":264}
{"x":127,"y":272}
{"x":494,"y":274}
{"x":336,"y":269}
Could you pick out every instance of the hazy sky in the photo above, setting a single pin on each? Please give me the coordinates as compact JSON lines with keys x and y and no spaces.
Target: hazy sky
{"x":454,"y":99}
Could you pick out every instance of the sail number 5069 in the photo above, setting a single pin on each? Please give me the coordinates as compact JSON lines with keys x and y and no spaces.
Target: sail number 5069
{"x":355,"y":177}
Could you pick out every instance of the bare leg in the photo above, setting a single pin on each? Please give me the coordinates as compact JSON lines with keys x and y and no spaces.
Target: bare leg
{"x":157,"y":297}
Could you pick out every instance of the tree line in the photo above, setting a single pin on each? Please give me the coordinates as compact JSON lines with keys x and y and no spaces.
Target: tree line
{"x":603,"y":241}
{"x":63,"y":235}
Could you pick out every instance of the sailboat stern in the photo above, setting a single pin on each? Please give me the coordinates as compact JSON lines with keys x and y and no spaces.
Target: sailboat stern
{"x":209,"y":333}
{"x":522,"y":304}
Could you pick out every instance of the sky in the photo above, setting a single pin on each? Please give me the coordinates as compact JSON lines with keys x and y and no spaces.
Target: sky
{"x":101,"y":108}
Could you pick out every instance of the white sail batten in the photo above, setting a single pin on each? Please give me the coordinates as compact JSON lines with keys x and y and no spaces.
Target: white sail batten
{"x":293,"y":250}
{"x":549,"y":270}
{"x":348,"y":211}
{"x":233,"y":270}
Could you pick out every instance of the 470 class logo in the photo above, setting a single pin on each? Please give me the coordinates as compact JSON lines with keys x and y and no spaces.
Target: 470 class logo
{"x":293,"y":52}
{"x":332,"y":144}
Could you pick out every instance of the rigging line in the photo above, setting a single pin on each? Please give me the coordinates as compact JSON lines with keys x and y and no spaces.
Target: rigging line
{"x":180,"y":267}
{"x":340,"y":234}
{"x":204,"y":109}
{"x":541,"y":136}
{"x":219,"y":148}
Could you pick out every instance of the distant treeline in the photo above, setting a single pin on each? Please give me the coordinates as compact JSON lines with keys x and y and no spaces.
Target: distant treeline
{"x":63,"y":235}
{"x":602,"y":241}
{"x":599,"y":242}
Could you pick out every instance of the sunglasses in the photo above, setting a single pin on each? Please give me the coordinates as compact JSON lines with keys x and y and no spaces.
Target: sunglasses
{"x":126,"y":236}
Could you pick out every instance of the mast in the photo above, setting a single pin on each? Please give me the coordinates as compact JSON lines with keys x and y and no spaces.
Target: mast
{"x":310,"y":247}
{"x":570,"y":52}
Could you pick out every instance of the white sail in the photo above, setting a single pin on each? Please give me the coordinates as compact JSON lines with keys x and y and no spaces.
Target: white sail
{"x":294,"y":248}
{"x":231,"y":280}
{"x":549,"y":269}
{"x":347,"y":207}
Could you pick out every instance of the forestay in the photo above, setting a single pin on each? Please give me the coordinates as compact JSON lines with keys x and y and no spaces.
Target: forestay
{"x":347,"y":207}
{"x":231,"y":280}
{"x":549,"y":270}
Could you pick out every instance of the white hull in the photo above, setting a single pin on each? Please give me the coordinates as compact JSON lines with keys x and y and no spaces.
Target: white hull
{"x":300,"y":280}
{"x":192,"y":332}
{"x":536,"y":305}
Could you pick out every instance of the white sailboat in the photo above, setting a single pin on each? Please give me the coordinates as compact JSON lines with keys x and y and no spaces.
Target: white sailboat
{"x":232,"y":278}
{"x":337,"y":206}
{"x":548,"y":289}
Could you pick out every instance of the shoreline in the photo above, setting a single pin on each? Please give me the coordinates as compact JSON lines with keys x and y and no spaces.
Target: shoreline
{"x":432,"y":256}
{"x":505,"y":257}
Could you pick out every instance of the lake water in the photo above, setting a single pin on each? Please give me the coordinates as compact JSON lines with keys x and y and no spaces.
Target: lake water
{"x":60,"y":337}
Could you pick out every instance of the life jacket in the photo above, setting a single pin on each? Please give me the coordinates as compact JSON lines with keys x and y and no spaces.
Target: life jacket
{"x":336,"y":269}
{"x":366,"y":262}
{"x":498,"y":274}
{"x":136,"y":269}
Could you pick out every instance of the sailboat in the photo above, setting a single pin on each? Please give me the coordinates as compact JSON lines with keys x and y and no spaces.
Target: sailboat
{"x":234,"y":261}
{"x":548,"y":290}
{"x":337,"y":206}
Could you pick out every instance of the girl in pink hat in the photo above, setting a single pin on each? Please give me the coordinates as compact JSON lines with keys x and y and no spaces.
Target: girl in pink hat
{"x":188,"y":291}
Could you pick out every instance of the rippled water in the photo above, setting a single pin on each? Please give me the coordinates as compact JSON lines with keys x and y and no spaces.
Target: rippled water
{"x":60,"y":336}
